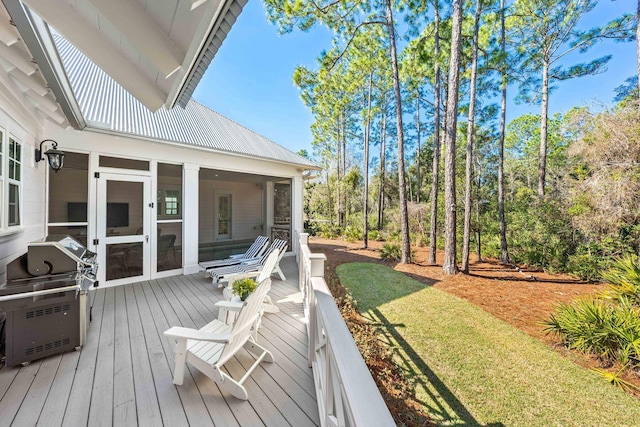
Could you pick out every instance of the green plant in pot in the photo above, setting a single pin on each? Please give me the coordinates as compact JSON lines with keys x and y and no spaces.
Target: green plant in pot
{"x":243,"y":288}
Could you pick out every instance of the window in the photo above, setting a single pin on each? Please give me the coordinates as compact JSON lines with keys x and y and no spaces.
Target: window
{"x":171,"y":202}
{"x":10,"y":181}
{"x":14,"y":181}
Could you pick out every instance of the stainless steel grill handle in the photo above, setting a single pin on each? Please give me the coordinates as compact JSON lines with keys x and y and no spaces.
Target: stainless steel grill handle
{"x":38,"y":293}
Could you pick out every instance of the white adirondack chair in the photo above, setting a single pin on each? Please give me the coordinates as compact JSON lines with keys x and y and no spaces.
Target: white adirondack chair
{"x":254,"y":253}
{"x":232,"y":305}
{"x":210,"y":347}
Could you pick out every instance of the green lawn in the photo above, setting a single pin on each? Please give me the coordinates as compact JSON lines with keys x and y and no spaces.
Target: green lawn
{"x":470,"y":368}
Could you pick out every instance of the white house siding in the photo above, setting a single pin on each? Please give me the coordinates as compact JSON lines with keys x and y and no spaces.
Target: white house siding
{"x":27,"y":130}
{"x":247,"y":218}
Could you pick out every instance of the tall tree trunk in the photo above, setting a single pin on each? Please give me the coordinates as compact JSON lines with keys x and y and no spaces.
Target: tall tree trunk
{"x":367,"y":130}
{"x":470,"y":136}
{"x":419,"y":186}
{"x":402,"y":184}
{"x":329,"y":197}
{"x":451,"y":119}
{"x":338,"y":173}
{"x":433,"y":229}
{"x":504,"y":254}
{"x":542,"y":167}
{"x":479,"y":226}
{"x":342,"y":207}
{"x":383,"y":155}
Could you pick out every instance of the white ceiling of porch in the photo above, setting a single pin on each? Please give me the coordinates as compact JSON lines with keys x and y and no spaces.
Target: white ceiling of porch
{"x":150,"y":47}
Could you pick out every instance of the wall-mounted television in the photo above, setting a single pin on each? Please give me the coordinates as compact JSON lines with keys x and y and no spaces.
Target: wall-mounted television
{"x":117,"y":213}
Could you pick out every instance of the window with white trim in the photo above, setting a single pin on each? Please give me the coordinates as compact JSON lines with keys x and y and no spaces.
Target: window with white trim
{"x":11,"y":157}
{"x":171,"y":202}
{"x":14,"y":181}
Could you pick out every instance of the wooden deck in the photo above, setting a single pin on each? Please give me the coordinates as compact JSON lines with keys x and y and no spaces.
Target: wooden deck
{"x":123,"y":374}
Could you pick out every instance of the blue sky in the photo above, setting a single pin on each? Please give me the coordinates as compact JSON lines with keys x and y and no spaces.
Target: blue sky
{"x":250,"y":79}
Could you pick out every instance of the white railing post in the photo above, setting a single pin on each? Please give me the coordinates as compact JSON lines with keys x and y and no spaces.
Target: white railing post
{"x":316,"y":270}
{"x":317,"y":265}
{"x":345,"y":390}
{"x":303,"y":242}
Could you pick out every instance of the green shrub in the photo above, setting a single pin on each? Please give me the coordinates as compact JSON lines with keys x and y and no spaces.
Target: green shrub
{"x":311,"y":227}
{"x":394,"y":236}
{"x":582,"y":326}
{"x":243,"y":287}
{"x":596,"y":326}
{"x":375,"y":235}
{"x":586,"y":267}
{"x":330,"y":231}
{"x":391,"y":252}
{"x":624,"y":278}
{"x":351,"y":234}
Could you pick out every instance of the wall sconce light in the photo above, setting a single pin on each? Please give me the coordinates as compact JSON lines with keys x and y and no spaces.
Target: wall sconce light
{"x":54,"y":156}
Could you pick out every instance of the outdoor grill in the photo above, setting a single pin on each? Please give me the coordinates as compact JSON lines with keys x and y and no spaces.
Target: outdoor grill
{"x":44,"y":301}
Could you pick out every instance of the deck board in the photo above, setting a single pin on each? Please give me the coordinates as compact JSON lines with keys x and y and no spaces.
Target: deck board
{"x":36,"y":396}
{"x":101,"y":410}
{"x":124,"y":373}
{"x":78,"y":404}
{"x":124,"y":397}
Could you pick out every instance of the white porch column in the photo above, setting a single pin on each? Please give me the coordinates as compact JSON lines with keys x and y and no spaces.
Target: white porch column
{"x":190,"y":222}
{"x":269,"y":207}
{"x":297,"y":215}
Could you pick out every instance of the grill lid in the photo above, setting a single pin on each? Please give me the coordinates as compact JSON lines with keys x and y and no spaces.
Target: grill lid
{"x":68,"y":245}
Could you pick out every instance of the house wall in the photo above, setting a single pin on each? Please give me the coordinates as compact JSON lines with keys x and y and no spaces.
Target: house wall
{"x":193,"y":159}
{"x":246,"y":209}
{"x":28,"y":130}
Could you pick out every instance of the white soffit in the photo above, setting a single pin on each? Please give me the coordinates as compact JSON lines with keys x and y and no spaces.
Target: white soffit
{"x":21,"y":80}
{"x":157,"y":50}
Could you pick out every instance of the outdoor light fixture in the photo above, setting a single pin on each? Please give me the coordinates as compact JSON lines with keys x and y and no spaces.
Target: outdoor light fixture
{"x":54,"y":156}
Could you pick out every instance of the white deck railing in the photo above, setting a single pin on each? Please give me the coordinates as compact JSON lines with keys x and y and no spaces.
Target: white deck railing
{"x":345,"y":390}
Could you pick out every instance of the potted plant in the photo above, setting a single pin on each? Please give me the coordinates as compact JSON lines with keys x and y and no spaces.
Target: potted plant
{"x":243,"y":287}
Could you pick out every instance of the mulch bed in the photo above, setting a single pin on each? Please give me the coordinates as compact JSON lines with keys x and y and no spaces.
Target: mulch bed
{"x":520,"y":297}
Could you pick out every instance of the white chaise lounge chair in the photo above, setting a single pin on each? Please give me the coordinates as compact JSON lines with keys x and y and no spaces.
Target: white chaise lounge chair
{"x":210,"y":347}
{"x":221,"y":274}
{"x":254,"y":253}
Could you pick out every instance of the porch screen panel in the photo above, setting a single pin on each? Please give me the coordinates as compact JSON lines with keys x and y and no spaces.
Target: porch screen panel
{"x":125,"y":215}
{"x":124,"y":260}
{"x":224,"y":215}
{"x":169,"y":220}
{"x":120,"y":163}
{"x":282,"y":212}
{"x":68,"y":195}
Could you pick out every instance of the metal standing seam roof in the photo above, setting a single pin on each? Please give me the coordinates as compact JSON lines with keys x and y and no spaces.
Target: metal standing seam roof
{"x":106,"y":104}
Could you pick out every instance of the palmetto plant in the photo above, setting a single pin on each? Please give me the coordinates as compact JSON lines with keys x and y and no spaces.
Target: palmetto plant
{"x":598,"y":326}
{"x":390,"y":252}
{"x":624,"y":278}
{"x":582,"y":326}
{"x":615,"y":378}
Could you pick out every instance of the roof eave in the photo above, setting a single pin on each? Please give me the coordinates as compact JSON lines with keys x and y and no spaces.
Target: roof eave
{"x":97,"y":127}
{"x":221,"y":25}
{"x":35,"y":34}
